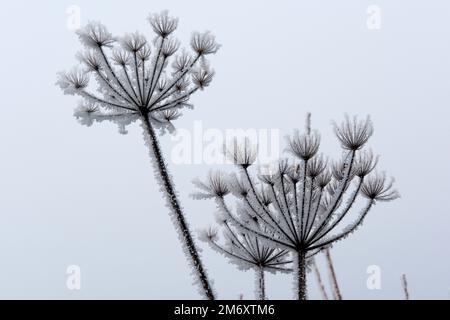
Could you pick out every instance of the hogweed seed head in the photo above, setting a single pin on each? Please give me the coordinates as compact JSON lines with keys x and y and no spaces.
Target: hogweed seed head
{"x":133,"y":42}
{"x":242,"y":154}
{"x":365,"y":163}
{"x":376,"y":187}
{"x":294,"y":173}
{"x":208,"y":235}
{"x":204,"y":43}
{"x":133,"y":74}
{"x":353,"y":133}
{"x":73,"y":81}
{"x":162,"y":24}
{"x":202,"y":78}
{"x":307,"y":199}
{"x":304,"y":146}
{"x":323,"y":179}
{"x":216,"y":186}
{"x":91,"y":60}
{"x":121,"y":57}
{"x":170,"y":47}
{"x":95,"y":35}
{"x":144,"y":53}
{"x":316,"y":166}
{"x":182,"y":62}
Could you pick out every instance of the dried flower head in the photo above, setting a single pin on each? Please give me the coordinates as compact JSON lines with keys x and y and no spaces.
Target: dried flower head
{"x":294,"y":173}
{"x":134,"y":82}
{"x":121,"y":57}
{"x":304,"y":146}
{"x":182,"y":62}
{"x":323,"y":179}
{"x":204,"y":43}
{"x":73,"y":81}
{"x":377,"y":188}
{"x":316,"y":166}
{"x":135,"y":78}
{"x":215,"y":186}
{"x":242,"y":154}
{"x":365,"y":163}
{"x":303,"y":206}
{"x":133,"y":42}
{"x":91,"y":60}
{"x":144,"y":53}
{"x":95,"y":35}
{"x":162,"y":24}
{"x":170,"y":46}
{"x":202,"y":78}
{"x":209,"y":235}
{"x":354,"y":133}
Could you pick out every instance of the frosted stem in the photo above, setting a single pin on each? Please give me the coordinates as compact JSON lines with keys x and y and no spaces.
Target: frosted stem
{"x":161,"y":168}
{"x":336,"y":288}
{"x":405,"y":286}
{"x":260,"y":284}
{"x":300,"y":275}
{"x":319,"y":281}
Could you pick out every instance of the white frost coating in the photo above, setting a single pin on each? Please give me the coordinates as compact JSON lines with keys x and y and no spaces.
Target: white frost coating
{"x":247,"y":252}
{"x":131,"y":84}
{"x":131,"y":75}
{"x":172,"y":200}
{"x":352,"y":227}
{"x":260,"y":284}
{"x":296,"y":206}
{"x":95,"y":33}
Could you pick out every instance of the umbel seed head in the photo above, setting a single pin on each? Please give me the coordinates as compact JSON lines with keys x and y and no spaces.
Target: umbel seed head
{"x":304,"y":146}
{"x":133,"y":75}
{"x":353,"y":133}
{"x":162,"y":24}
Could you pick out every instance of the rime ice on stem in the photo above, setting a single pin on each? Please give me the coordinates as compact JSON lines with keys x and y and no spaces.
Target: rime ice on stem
{"x":134,"y":82}
{"x":244,"y":249}
{"x":299,"y":206}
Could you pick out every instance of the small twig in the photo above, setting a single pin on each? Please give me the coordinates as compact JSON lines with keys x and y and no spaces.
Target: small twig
{"x":308,"y":123}
{"x":405,"y":286}
{"x":319,"y":281}
{"x":336,"y":289}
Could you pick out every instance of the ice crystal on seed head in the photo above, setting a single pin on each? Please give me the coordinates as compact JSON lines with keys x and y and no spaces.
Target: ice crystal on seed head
{"x":133,"y":75}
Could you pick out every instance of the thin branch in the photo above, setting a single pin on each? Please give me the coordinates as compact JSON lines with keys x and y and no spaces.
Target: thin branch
{"x":405,"y":286}
{"x":333,"y":275}
{"x":319,"y":281}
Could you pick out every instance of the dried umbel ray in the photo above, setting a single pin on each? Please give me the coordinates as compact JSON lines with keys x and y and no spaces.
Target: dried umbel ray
{"x":300,"y":205}
{"x":135,"y":83}
{"x":242,"y":248}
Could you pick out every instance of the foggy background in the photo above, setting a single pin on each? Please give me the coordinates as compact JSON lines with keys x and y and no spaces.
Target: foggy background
{"x":71,"y":195}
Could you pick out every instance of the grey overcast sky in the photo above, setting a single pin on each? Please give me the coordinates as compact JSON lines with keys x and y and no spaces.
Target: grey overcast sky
{"x":72,"y":195}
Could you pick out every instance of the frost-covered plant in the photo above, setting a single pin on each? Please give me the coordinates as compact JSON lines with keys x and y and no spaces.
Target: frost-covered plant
{"x":335,"y":284}
{"x":299,"y":205}
{"x":134,"y":82}
{"x":243,"y":248}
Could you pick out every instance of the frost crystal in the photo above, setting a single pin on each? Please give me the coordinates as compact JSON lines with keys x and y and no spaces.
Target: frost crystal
{"x":298,"y":208}
{"x":134,"y":82}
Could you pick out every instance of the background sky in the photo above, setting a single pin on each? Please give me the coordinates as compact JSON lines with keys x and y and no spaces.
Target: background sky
{"x":71,"y":195}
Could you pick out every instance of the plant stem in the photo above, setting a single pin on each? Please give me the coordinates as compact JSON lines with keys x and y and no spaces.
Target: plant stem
{"x":320,"y":282}
{"x":405,"y":286}
{"x":167,"y":187}
{"x":261,"y":284}
{"x":301,"y":275}
{"x":336,"y":289}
